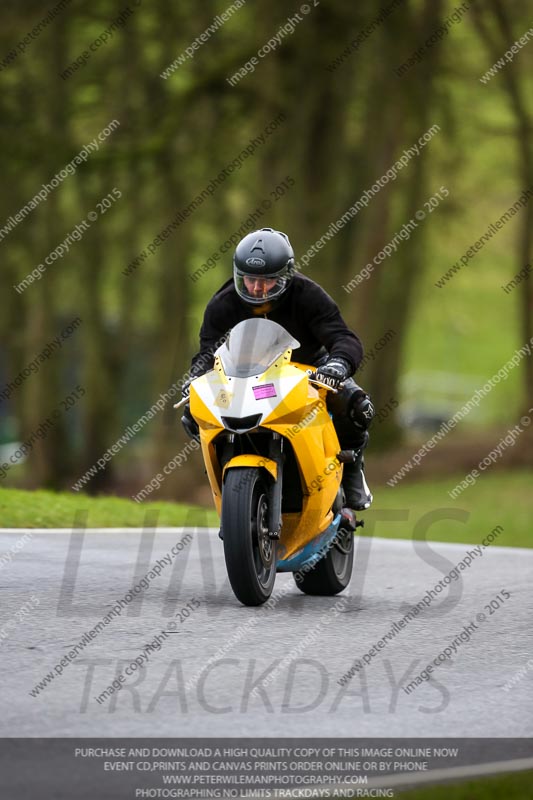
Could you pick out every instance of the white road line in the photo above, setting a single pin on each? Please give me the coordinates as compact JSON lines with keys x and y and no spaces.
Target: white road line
{"x":22,"y":531}
{"x":377,"y":541}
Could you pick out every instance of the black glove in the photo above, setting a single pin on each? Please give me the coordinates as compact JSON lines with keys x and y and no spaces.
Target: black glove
{"x":186,"y":388}
{"x":334,"y":372}
{"x":189,"y":423}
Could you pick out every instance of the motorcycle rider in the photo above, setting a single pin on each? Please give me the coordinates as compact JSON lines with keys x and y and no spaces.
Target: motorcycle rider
{"x":266,"y":283}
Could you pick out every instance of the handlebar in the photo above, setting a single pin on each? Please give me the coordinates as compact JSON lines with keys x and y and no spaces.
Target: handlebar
{"x":322,"y":385}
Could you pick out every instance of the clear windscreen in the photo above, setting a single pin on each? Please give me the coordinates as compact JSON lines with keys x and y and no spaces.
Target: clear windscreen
{"x":253,"y":346}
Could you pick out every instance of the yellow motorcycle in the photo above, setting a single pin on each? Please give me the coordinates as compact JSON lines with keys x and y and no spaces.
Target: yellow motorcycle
{"x":274,"y":465}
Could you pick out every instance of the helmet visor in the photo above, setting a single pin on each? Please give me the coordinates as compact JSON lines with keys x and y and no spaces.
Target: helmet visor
{"x":258,"y":289}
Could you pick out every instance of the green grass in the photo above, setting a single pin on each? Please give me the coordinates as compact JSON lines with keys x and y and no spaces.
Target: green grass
{"x":507,"y":787}
{"x":43,"y":509}
{"x":500,"y":498}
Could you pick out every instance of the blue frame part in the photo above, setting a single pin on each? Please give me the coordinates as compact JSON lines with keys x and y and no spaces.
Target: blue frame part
{"x":312,"y":551}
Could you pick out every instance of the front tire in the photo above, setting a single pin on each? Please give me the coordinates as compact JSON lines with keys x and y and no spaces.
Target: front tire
{"x":332,"y":573}
{"x":250,"y":554}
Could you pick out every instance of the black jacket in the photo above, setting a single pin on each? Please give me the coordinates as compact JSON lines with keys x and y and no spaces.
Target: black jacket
{"x":306,"y":311}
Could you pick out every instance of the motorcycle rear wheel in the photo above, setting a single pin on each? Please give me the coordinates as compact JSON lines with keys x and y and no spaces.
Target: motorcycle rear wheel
{"x":250,"y":554}
{"x":332,"y":573}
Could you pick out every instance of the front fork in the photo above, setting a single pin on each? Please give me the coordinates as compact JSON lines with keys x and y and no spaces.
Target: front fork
{"x":275,"y":452}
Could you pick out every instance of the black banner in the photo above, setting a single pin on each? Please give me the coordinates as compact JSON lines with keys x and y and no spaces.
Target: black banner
{"x":113,"y":769}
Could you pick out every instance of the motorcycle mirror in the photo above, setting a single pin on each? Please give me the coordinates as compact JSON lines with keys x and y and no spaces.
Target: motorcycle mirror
{"x":181,"y":403}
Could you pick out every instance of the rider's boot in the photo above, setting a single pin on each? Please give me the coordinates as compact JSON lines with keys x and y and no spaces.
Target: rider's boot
{"x":358,"y":495}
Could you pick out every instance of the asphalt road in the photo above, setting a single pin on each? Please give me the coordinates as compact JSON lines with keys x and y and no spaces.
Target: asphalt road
{"x":67,"y":582}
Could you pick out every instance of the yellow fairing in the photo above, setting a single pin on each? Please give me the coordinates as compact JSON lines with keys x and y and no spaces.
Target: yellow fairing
{"x":210,"y":428}
{"x":302,"y":418}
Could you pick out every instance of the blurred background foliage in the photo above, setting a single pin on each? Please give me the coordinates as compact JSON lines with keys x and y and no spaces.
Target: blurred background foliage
{"x":347,"y":120}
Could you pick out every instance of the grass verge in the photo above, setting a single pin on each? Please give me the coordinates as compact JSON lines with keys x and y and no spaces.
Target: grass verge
{"x":43,"y":509}
{"x":501,"y":498}
{"x":518,"y":786}
{"x":504,"y":498}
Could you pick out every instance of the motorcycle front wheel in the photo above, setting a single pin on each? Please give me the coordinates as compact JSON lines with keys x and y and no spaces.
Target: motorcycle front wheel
{"x":250,"y":554}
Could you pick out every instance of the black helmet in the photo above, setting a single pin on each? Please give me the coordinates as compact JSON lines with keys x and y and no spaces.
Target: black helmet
{"x":263,"y":266}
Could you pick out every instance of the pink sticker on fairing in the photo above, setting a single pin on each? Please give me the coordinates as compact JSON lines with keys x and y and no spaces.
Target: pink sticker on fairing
{"x":264,"y":391}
